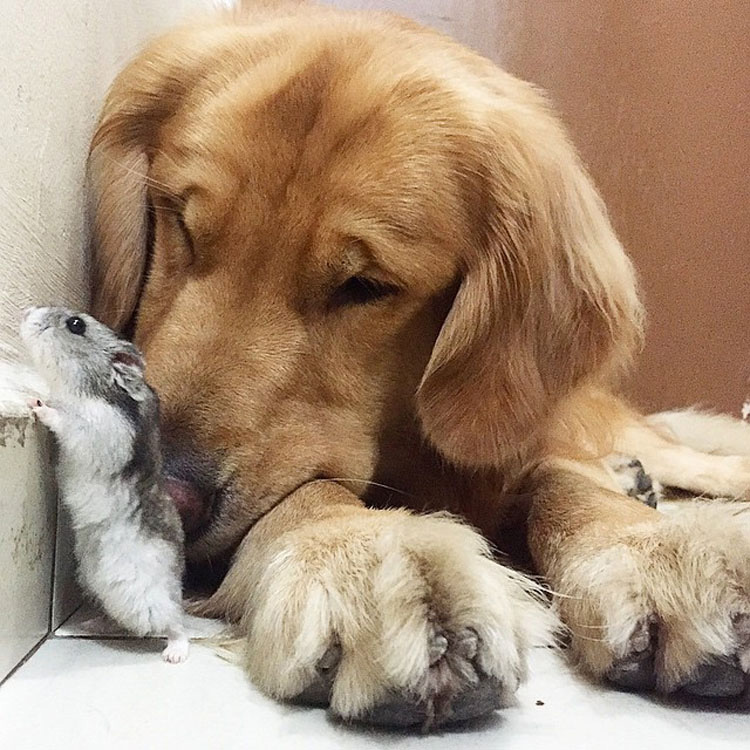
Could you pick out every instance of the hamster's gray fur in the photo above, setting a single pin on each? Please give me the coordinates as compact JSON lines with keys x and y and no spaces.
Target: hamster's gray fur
{"x":128,"y":534}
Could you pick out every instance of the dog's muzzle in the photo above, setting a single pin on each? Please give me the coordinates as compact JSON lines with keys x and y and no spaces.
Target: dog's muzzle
{"x":191,"y":481}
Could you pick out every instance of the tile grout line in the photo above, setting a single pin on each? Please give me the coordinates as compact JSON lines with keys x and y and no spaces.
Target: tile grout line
{"x":53,"y":575}
{"x":47,"y":636}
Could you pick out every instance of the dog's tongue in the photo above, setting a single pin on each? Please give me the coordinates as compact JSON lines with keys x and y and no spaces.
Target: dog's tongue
{"x":190,"y":503}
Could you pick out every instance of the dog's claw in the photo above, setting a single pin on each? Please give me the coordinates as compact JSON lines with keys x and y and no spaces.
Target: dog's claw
{"x":318,"y":692}
{"x":467,"y":643}
{"x":330,"y":658}
{"x":724,"y":676}
{"x":438,"y":647}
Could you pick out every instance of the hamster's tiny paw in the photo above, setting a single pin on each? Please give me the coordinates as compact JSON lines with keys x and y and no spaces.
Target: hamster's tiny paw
{"x":47,"y":415}
{"x":176,"y":650}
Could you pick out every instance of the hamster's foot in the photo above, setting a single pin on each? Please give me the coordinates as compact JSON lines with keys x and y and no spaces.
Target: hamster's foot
{"x":177,"y":649}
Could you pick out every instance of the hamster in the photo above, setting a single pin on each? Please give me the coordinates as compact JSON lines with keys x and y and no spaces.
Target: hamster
{"x":128,"y":534}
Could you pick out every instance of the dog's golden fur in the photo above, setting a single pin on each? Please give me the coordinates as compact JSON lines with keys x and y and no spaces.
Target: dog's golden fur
{"x":376,"y":258}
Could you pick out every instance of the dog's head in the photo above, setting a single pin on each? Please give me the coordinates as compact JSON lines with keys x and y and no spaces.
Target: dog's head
{"x":338,"y":236}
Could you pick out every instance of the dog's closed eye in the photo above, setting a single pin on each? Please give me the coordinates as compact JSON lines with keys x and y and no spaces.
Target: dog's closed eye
{"x":362,"y":290}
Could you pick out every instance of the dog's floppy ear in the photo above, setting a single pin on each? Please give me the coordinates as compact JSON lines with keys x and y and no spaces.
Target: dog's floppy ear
{"x":117,"y":176}
{"x":547,"y":301}
{"x":142,"y":96}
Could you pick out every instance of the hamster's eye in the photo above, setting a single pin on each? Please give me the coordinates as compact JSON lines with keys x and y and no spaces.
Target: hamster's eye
{"x":76,"y":325}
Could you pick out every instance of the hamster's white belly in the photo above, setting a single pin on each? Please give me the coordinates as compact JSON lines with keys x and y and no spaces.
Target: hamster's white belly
{"x":135,"y":576}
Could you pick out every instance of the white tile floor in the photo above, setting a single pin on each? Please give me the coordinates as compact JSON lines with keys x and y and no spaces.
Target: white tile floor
{"x":117,"y":693}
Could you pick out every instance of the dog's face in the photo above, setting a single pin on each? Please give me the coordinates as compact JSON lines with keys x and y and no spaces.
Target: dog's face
{"x":343,"y":238}
{"x":305,"y":246}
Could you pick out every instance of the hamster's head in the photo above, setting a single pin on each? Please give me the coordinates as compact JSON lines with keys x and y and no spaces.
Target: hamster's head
{"x":79,"y":356}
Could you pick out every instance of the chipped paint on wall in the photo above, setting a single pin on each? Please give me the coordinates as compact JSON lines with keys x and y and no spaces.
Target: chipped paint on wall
{"x":27,"y":506}
{"x":13,"y":431}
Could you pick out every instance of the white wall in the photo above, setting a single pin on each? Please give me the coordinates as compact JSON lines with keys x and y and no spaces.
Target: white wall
{"x":58,"y":57}
{"x":473,"y":22}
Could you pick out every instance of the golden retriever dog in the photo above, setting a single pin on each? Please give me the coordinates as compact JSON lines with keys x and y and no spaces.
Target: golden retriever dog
{"x":387,"y":317}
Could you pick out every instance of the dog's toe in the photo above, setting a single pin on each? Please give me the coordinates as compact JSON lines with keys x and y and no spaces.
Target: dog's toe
{"x":724,"y":677}
{"x":453,"y":689}
{"x":396,"y":711}
{"x":634,"y":673}
{"x":717,"y":680}
{"x":473,"y":702}
{"x":478,"y":700}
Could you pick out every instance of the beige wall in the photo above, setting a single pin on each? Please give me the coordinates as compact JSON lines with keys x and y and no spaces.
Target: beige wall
{"x":473,"y":22}
{"x":58,"y":58}
{"x":657,"y":96}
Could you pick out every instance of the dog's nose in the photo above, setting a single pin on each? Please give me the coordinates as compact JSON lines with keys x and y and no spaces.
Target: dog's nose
{"x":191,"y":483}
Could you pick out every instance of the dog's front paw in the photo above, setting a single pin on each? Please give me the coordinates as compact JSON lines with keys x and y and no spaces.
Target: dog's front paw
{"x":392,"y":619}
{"x":668,"y":606}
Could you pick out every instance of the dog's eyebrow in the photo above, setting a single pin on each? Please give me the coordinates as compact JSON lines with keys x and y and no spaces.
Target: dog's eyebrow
{"x":372,"y":252}
{"x":185,"y":193}
{"x":359,"y":257}
{"x":386,"y":252}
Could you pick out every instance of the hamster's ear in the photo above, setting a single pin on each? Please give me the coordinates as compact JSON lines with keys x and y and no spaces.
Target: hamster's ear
{"x":141,"y":98}
{"x":129,"y":359}
{"x":128,"y":367}
{"x":547,"y":302}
